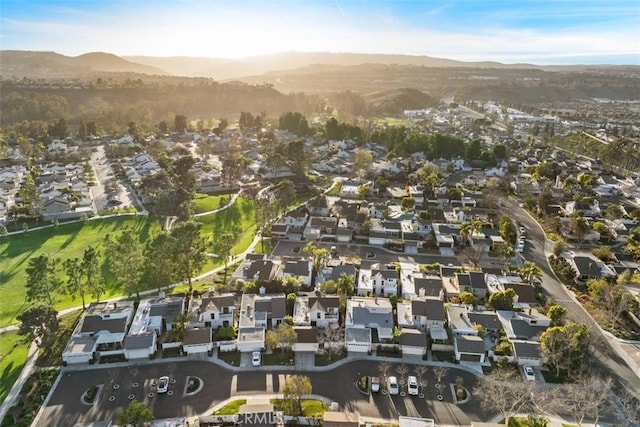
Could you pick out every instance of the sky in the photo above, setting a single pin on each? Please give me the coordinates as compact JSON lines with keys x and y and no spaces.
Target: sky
{"x":509,"y":31}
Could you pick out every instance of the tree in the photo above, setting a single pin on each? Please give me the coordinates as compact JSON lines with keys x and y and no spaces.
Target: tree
{"x":295,"y":387}
{"x":383,"y":370}
{"x":467,"y":298}
{"x":75,"y":284}
{"x":502,"y":300}
{"x":41,"y":279}
{"x":318,"y":257}
{"x":94,"y":282}
{"x":158,"y":267}
{"x":502,"y":395}
{"x":557,"y":314}
{"x":297,"y":157}
{"x":271,"y":340}
{"x":530,"y":271}
{"x":420,"y":372}
{"x":180,"y":123}
{"x":285,"y":193}
{"x":362,"y":160}
{"x":58,"y":129}
{"x":39,"y":322}
{"x":137,"y":414}
{"x":223,"y":242}
{"x":566,"y":347}
{"x":31,"y":197}
{"x":331,"y":340}
{"x":583,"y":398}
{"x":507,"y":253}
{"x":286,"y":336}
{"x":189,"y":250}
{"x":123,"y":255}
{"x":440,"y":372}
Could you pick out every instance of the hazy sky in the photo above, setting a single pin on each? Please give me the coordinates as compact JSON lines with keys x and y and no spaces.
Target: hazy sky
{"x":537,"y":31}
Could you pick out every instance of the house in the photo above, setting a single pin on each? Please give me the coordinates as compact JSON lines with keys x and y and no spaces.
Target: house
{"x":261,"y":270}
{"x":321,"y":311}
{"x":469,"y":349}
{"x":428,"y":286}
{"x":299,"y":269}
{"x":141,"y":346}
{"x":464,"y":321}
{"x":295,"y":219}
{"x":372,"y":313}
{"x":527,"y":353}
{"x":588,"y":268}
{"x":413,"y":342}
{"x":307,"y":339}
{"x":523,"y":325}
{"x":385,"y":281}
{"x":257,"y":313}
{"x":357,"y":339}
{"x":211,"y":309}
{"x":319,"y":227}
{"x":197,"y":341}
{"x":100,"y":332}
{"x":421,"y":313}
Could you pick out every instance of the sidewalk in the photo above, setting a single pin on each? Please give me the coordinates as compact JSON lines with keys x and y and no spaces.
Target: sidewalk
{"x":9,"y":401}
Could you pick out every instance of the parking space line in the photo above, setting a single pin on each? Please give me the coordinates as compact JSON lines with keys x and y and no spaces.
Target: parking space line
{"x":269,"y":383}
{"x":234,"y":384}
{"x":281,"y":380}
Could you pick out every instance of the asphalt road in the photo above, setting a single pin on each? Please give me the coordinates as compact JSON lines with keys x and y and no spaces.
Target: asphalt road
{"x":605,"y":360}
{"x":65,"y":406}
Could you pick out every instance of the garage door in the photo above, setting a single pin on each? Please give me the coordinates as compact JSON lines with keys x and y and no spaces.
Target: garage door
{"x":470,"y":358}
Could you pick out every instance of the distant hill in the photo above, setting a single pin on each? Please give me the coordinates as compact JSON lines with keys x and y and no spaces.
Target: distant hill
{"x":256,"y":65}
{"x":395,"y":101}
{"x":185,"y":66}
{"x":18,"y":64}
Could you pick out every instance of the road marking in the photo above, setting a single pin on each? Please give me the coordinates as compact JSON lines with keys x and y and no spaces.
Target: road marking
{"x":234,"y":385}
{"x":269,"y":383}
{"x":281,"y":379}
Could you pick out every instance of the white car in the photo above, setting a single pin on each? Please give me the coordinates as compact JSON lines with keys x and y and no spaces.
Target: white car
{"x":528,"y":373}
{"x":412,"y":385}
{"x":520,"y":248}
{"x":392,"y":384}
{"x":375,"y":384}
{"x":163,"y":384}
{"x":256,"y":358}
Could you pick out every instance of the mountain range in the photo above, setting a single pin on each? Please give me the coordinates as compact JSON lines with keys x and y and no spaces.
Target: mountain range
{"x":18,"y":64}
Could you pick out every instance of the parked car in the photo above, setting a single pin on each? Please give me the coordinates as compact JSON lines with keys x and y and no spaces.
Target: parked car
{"x":375,"y":384}
{"x":520,"y":247}
{"x":256,"y":358}
{"x":392,"y":385}
{"x":528,"y":373}
{"x":163,"y":384}
{"x":412,"y":385}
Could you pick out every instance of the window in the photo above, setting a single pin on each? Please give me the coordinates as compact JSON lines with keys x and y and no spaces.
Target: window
{"x":319,"y":315}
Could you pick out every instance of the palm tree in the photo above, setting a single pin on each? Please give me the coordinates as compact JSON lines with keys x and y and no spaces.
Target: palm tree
{"x":507,"y":253}
{"x":530,"y":270}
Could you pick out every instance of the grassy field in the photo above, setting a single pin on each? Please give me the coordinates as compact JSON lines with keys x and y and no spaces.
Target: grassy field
{"x":70,"y":240}
{"x":206,"y":203}
{"x":238,"y":219}
{"x":63,"y":242}
{"x":13,"y":355}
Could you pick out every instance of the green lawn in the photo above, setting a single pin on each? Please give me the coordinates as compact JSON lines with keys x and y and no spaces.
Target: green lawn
{"x":70,"y":240}
{"x":231,"y":408}
{"x":13,"y":355}
{"x":206,"y":203}
{"x":65,"y":241}
{"x":238,"y":219}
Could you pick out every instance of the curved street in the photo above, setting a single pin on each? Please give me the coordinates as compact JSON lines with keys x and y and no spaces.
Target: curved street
{"x":606,"y":360}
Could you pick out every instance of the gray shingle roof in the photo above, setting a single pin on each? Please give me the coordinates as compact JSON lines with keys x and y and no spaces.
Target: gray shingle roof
{"x":470,"y":344}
